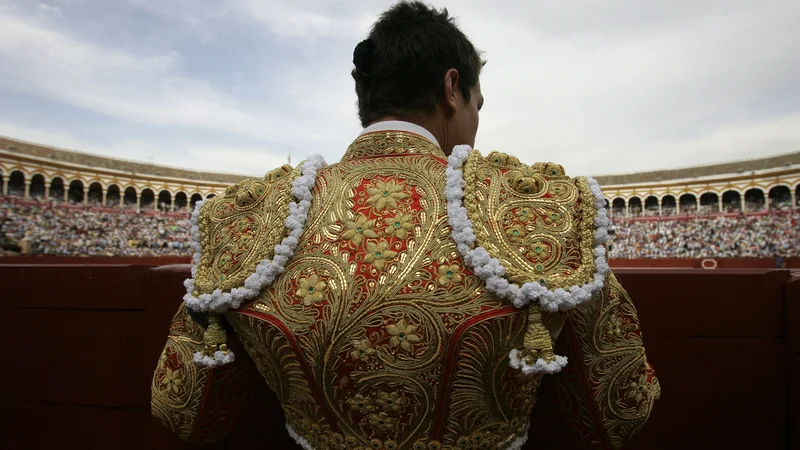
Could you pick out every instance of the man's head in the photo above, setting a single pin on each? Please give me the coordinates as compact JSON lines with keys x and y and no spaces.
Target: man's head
{"x":416,"y":65}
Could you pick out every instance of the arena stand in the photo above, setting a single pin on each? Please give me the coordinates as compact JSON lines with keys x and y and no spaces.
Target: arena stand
{"x":41,"y":231}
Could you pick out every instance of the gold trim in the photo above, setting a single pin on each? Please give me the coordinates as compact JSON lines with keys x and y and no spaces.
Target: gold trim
{"x":391,"y":143}
{"x":230,"y":252}
{"x":530,"y":186}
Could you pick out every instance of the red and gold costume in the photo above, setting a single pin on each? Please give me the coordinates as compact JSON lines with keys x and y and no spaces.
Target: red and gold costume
{"x":378,"y":335}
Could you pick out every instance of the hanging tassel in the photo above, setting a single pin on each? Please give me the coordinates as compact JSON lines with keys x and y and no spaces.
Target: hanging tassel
{"x":215,"y":345}
{"x":537,"y":355}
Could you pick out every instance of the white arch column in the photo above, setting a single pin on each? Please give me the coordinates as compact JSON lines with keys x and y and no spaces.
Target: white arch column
{"x":85,"y":195}
{"x":5,"y":185}
{"x":27,"y":189}
{"x":794,"y":198}
{"x":105,"y":194}
{"x":138,"y":202}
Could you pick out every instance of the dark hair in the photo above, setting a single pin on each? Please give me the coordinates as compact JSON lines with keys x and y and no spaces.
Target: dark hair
{"x":400,"y":67}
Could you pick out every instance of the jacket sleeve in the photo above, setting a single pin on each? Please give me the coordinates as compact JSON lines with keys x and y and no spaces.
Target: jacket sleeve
{"x":608,"y":389}
{"x":200,"y":404}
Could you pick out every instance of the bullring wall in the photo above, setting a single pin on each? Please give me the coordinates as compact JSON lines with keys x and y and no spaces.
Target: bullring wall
{"x":82,"y":342}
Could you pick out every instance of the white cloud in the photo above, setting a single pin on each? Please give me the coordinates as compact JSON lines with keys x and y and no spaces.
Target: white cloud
{"x":309,"y":19}
{"x":252,"y":161}
{"x":599,"y":102}
{"x":239,"y":159}
{"x":147,"y":89}
{"x":50,"y":9}
{"x":52,"y":136}
{"x":600,"y":87}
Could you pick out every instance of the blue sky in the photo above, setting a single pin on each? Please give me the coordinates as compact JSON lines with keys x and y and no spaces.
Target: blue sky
{"x":600,"y":86}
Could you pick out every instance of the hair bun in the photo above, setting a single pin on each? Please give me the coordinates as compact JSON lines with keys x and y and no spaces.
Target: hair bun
{"x":364,"y":56}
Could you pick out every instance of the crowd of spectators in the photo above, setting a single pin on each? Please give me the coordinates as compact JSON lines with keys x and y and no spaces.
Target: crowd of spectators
{"x":739,"y":236}
{"x":51,"y":229}
{"x":47,"y":228}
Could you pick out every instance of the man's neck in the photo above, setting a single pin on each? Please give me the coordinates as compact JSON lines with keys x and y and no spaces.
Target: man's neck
{"x":430,"y":126}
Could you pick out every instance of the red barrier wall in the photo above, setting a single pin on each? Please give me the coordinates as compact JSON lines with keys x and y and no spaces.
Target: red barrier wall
{"x":106,"y":260}
{"x":82,"y":342}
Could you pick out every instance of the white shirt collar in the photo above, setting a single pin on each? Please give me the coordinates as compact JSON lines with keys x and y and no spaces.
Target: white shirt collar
{"x":400,"y":125}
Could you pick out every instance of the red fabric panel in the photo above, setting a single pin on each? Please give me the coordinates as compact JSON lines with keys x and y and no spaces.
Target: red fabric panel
{"x":699,"y":303}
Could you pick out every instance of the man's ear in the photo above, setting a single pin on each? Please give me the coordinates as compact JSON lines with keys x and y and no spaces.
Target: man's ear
{"x":451,"y":91}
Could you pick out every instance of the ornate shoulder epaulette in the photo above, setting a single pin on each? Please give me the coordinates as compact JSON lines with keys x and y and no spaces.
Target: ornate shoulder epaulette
{"x":240,"y":229}
{"x":242,"y":241}
{"x":532,"y":234}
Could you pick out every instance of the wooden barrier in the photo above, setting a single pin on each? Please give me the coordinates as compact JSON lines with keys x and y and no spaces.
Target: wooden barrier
{"x":82,"y":342}
{"x":95,"y":260}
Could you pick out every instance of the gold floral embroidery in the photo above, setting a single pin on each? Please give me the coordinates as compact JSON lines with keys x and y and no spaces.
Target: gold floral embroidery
{"x":345,"y":366}
{"x":383,"y":422}
{"x":385,"y":193}
{"x":241,"y":228}
{"x":362,"y":403}
{"x":539,"y":251}
{"x":613,"y":327}
{"x":379,"y":254}
{"x":225,"y":262}
{"x":511,"y":206}
{"x":392,"y":402}
{"x":358,"y":229}
{"x":637,"y":390}
{"x":502,"y":159}
{"x":403,"y":335}
{"x":622,"y":395}
{"x":515,"y":233}
{"x":362,"y":349}
{"x":242,"y":225}
{"x":172,"y":380}
{"x":311,"y":289}
{"x":449,"y":274}
{"x":524,"y":214}
{"x":398,"y":225}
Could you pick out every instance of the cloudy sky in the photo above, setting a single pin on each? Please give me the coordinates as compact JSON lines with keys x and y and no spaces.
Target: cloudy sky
{"x":600,"y":86}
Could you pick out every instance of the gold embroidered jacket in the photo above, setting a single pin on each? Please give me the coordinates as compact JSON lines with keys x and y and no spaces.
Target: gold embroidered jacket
{"x":378,"y":335}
